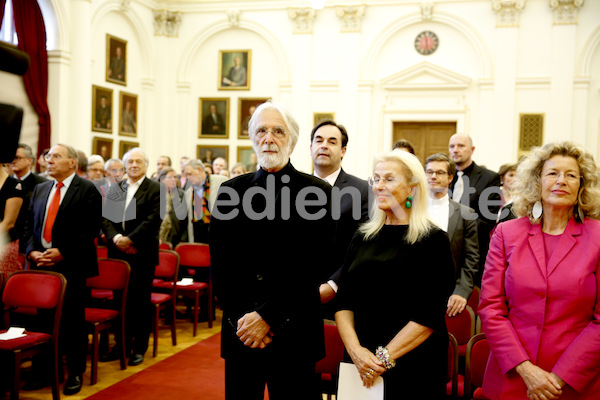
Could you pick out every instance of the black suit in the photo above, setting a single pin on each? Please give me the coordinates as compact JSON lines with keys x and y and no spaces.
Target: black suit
{"x":480,"y":179}
{"x":27,"y":186}
{"x":464,"y":245}
{"x":142,"y":221}
{"x":77,"y":224}
{"x":275,"y":271}
{"x":212,"y":127}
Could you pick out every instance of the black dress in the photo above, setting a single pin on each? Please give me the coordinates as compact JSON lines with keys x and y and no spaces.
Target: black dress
{"x":387,"y":283}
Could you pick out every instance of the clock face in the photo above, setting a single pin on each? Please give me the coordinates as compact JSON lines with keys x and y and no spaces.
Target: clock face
{"x":426,"y":43}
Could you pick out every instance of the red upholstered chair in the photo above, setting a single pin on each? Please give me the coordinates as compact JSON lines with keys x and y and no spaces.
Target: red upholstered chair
{"x":196,"y":256}
{"x":43,"y":291}
{"x":165,"y":246}
{"x":478,"y":352}
{"x":22,"y":259}
{"x":328,"y":368}
{"x":454,"y":381}
{"x":473,"y":300}
{"x":462,"y":326}
{"x":112,"y":275}
{"x":165,"y":291}
{"x":102,"y":251}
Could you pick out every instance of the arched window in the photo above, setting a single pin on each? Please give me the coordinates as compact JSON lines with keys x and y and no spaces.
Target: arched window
{"x":8,"y":33}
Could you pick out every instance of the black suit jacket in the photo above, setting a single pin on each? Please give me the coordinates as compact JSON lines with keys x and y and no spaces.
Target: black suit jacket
{"x":142,"y":221}
{"x":76,"y":226}
{"x":277,"y":268}
{"x":208,"y":125}
{"x":27,"y":186}
{"x":464,"y":245}
{"x":347,"y":224}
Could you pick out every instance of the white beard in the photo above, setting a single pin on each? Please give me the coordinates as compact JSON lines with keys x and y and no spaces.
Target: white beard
{"x":270,"y":161}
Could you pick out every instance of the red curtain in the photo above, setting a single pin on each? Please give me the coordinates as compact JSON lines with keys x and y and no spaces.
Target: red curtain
{"x":2,"y":5}
{"x":31,"y":31}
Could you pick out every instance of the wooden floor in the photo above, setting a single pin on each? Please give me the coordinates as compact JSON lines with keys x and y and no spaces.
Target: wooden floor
{"x":110,"y":373}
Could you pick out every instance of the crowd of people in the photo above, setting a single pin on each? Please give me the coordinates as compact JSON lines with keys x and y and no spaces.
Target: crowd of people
{"x":389,"y":258}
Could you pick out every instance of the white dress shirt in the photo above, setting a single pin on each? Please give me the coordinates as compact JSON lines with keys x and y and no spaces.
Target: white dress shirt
{"x":63,"y":191}
{"x":439,"y":210}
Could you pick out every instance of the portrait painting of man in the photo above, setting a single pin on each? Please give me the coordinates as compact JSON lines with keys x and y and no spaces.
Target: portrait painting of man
{"x":246,"y":108}
{"x":214,"y":118}
{"x":102,"y":147}
{"x":127,"y":114}
{"x":116,"y":60}
{"x":247,"y":156}
{"x":234,"y":69}
{"x":101,"y":109}
{"x":202,"y":152}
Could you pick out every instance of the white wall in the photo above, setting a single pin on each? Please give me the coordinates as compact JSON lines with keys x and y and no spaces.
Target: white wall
{"x":482,"y":76}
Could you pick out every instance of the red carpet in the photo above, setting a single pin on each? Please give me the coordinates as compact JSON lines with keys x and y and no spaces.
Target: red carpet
{"x":194,"y":373}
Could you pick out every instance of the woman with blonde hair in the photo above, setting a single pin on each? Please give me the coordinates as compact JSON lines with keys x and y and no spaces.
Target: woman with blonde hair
{"x":540,"y":297}
{"x":397,"y":277}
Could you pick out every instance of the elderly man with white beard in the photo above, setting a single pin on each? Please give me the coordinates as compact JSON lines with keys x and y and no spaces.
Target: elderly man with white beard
{"x":268,"y":283}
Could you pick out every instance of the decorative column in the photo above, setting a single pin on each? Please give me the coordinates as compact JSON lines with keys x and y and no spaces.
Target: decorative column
{"x":507,"y":12}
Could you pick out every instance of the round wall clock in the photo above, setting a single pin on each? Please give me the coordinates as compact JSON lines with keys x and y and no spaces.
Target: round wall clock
{"x":426,"y":43}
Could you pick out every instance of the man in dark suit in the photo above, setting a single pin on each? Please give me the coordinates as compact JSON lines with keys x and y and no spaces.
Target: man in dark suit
{"x":267,"y":284}
{"x":131,"y":224}
{"x":64,"y":218}
{"x":22,"y":167}
{"x":213,"y":123}
{"x":452,"y":217}
{"x":476,"y":187}
{"x":350,"y":197}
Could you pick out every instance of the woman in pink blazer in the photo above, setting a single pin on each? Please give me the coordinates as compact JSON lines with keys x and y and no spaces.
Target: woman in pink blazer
{"x":540,"y":297}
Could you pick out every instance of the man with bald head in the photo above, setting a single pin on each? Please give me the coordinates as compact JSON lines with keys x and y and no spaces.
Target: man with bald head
{"x":63,"y":220}
{"x":476,"y":187}
{"x":131,"y":224}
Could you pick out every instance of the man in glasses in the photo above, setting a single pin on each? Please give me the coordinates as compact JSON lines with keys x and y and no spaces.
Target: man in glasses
{"x":454,"y":219}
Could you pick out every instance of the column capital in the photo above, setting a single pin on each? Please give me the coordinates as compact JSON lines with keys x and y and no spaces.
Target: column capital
{"x":233,"y":15}
{"x":565,"y":11}
{"x":426,"y":10}
{"x":350,"y":17}
{"x":167,"y":23}
{"x":303,"y":19}
{"x":507,"y":12}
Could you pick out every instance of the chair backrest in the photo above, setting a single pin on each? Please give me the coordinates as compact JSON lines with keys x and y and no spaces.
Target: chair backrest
{"x":101,"y":251}
{"x":193,"y":254}
{"x":452,"y":371}
{"x":22,"y":260}
{"x":36,"y":289}
{"x":165,"y":246}
{"x":168,"y":265}
{"x":462,"y":326}
{"x":478,"y":352}
{"x":113,"y":274}
{"x":334,"y":352}
{"x":473,"y":300}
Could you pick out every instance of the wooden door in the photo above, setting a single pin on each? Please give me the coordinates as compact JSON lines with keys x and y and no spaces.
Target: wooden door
{"x":426,"y":137}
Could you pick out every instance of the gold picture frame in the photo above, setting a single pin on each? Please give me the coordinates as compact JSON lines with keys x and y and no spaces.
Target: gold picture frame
{"x":319,"y":116}
{"x":103,"y":147}
{"x":116,"y":60}
{"x":245,"y":112}
{"x":102,"y":109}
{"x":213,"y":117}
{"x":234,"y":69}
{"x":128,"y":113}
{"x":125,"y":146}
{"x":244,"y":156}
{"x":202,"y":152}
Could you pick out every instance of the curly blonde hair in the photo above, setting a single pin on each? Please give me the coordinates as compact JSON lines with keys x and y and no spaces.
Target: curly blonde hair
{"x":528,"y":187}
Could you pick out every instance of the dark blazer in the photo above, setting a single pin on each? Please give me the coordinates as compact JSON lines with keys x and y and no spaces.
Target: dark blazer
{"x":208,"y":125}
{"x":464,"y":245}
{"x":27,"y":186}
{"x":75,"y":228}
{"x":347,"y":225}
{"x":273,"y":270}
{"x":177,"y":215}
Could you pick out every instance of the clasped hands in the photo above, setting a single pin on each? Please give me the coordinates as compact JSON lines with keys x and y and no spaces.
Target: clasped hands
{"x":125,"y":245}
{"x":368,"y":365}
{"x":48,"y":258}
{"x":254,"y":331}
{"x":541,"y":384}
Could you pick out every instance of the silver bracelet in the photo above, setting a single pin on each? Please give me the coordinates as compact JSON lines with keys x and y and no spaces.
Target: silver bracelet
{"x":384,"y":356}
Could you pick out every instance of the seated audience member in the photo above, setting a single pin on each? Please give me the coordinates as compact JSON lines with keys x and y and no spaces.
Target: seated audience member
{"x":173,"y":209}
{"x":402,"y":334}
{"x":453,"y":218}
{"x":404,"y":145}
{"x":11,"y":199}
{"x":238,"y":169}
{"x":540,"y":296}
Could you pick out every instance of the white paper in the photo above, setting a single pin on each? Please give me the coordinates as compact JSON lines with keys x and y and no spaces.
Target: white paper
{"x":350,"y":386}
{"x":12,"y":333}
{"x":185,"y":282}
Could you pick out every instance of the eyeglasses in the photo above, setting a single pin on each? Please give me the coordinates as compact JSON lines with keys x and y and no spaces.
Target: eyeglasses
{"x":375,"y":180}
{"x":440,"y":173}
{"x":55,"y":157}
{"x":278,"y":132}
{"x":570,"y":177}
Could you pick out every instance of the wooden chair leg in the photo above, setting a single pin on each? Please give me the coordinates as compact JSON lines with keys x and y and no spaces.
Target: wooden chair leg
{"x":196,"y":309}
{"x":95,"y":351}
{"x":209,"y":295}
{"x":14,"y":392}
{"x":121,"y":343}
{"x":173,"y":325}
{"x":155,"y":325}
{"x":55,"y":394}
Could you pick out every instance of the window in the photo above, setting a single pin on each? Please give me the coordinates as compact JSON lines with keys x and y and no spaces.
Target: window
{"x":8,"y":33}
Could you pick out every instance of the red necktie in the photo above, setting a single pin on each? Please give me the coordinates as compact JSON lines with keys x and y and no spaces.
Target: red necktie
{"x":52,"y":211}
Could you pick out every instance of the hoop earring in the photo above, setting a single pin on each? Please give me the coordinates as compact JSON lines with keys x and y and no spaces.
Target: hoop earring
{"x":408,"y":203}
{"x":536,"y":211}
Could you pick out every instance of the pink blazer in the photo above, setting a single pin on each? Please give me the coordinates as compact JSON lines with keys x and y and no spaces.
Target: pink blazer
{"x":547,"y":312}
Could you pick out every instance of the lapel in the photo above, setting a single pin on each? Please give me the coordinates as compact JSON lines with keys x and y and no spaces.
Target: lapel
{"x":42,"y":200}
{"x":341,"y":180}
{"x":69,"y":195}
{"x":565,"y":244}
{"x":474,"y":177}
{"x":454,"y":216}
{"x":536,"y":242}
{"x":138,"y":195}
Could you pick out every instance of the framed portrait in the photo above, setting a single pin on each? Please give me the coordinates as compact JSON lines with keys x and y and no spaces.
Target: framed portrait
{"x":124,"y":147}
{"x":317,"y":117}
{"x":127,"y":114}
{"x":103,"y":147}
{"x":247,"y":156}
{"x":116,"y":60}
{"x":234,"y":69}
{"x":214,"y":118}
{"x":102,"y":109}
{"x":209,"y":153}
{"x":246,"y":108}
